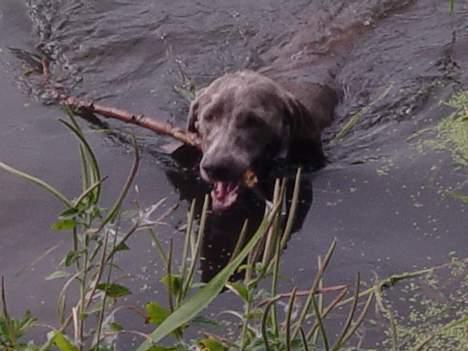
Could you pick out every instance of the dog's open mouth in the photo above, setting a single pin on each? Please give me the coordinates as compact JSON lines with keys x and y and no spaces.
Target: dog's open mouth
{"x":223,"y":195}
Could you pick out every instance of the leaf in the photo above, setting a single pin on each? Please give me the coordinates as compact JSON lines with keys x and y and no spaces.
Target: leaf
{"x":211,"y":344}
{"x":175,"y":283}
{"x":57,"y":275}
{"x":62,"y":343}
{"x":69,"y":212}
{"x":64,"y":224}
{"x":26,"y":322}
{"x":113,"y":290}
{"x":70,"y":258}
{"x":155,"y":313}
{"x":203,"y":297}
{"x":201,"y":320}
{"x":121,"y":247}
{"x":114,"y":326}
{"x":239,"y":289}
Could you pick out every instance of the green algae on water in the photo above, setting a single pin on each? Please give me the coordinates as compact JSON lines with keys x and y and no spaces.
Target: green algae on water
{"x":451,"y":134}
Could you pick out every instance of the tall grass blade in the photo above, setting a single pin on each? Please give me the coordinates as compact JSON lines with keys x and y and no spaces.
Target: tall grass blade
{"x":320,"y":299}
{"x":131,"y":176}
{"x":288,"y":319}
{"x":304,"y":339}
{"x":88,"y":191}
{"x":276,"y":261}
{"x":169,"y":277}
{"x":313,"y":289}
{"x":240,"y":240}
{"x":349,"y":318}
{"x":188,"y":234}
{"x":265,"y":322}
{"x":89,"y":159}
{"x":196,"y":248}
{"x":39,"y":182}
{"x":359,"y":320}
{"x":326,"y":311}
{"x":293,"y":209}
{"x":322,"y":329}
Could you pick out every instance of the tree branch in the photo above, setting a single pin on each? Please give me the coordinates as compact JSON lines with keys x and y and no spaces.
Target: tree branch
{"x":162,"y":128}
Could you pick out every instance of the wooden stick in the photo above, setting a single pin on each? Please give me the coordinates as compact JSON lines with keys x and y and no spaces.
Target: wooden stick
{"x":163,"y":128}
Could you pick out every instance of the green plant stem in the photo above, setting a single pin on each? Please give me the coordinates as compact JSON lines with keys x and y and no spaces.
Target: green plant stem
{"x":98,"y":278}
{"x":240,"y":240}
{"x":88,"y":191}
{"x":270,"y":242}
{"x":170,"y":292}
{"x":320,"y":298}
{"x":359,"y":320}
{"x":265,"y":322}
{"x":349,"y":319}
{"x":279,"y":188}
{"x":83,"y":290}
{"x":245,"y":325}
{"x":188,"y":234}
{"x":304,"y":339}
{"x":158,"y":245}
{"x":131,"y":176}
{"x":76,"y":245}
{"x":388,"y":315}
{"x":6,"y":316}
{"x":319,"y":318}
{"x":326,"y":311}
{"x":122,"y":241}
{"x":196,"y":250}
{"x":89,"y":159}
{"x":293,"y":209}
{"x":313,"y":288}
{"x":288,"y":319}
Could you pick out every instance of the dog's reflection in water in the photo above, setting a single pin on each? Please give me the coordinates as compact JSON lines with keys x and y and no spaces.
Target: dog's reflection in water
{"x":223,"y":228}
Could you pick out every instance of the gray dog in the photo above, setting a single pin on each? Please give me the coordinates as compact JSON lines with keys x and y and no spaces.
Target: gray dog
{"x":246,"y":119}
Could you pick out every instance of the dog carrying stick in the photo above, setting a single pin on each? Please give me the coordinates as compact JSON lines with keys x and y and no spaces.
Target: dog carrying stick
{"x":81,"y":105}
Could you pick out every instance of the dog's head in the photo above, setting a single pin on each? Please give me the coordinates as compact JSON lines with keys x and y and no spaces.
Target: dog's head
{"x":244,"y":120}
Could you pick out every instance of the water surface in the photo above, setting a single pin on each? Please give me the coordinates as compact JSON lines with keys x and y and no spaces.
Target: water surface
{"x":383,"y":200}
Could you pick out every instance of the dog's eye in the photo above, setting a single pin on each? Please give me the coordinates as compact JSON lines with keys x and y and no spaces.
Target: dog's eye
{"x":209,"y":117}
{"x":251,"y":120}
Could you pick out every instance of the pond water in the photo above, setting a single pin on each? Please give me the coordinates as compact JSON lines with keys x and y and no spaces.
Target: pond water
{"x":384,"y":200}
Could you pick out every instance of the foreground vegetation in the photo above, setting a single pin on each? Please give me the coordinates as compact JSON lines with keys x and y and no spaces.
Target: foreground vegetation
{"x":99,"y":235}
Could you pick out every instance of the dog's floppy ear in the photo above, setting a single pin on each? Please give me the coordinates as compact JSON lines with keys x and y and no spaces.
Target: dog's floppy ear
{"x":192,"y":119}
{"x":193,"y":116}
{"x":305,"y":144}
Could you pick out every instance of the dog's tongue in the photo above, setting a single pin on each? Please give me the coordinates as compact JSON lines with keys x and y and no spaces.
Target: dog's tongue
{"x":224,"y":194}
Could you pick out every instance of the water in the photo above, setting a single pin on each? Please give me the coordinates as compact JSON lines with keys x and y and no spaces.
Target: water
{"x":379,"y":197}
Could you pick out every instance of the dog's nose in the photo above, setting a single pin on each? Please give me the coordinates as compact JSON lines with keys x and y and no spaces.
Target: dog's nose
{"x":218,"y":170}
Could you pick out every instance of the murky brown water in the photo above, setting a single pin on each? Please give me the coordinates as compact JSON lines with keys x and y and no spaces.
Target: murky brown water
{"x":379,"y":197}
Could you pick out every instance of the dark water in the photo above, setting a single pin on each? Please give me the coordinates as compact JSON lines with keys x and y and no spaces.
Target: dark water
{"x":380,"y":198}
